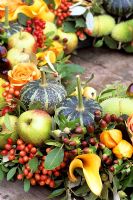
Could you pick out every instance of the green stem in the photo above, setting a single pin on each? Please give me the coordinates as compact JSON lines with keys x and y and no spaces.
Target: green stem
{"x":43,"y":79}
{"x":80,"y":106}
{"x":6,"y":24}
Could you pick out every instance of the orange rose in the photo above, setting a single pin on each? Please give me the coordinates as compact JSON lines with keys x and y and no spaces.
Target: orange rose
{"x":110,"y":138}
{"x":22,"y":73}
{"x":123,"y":150}
{"x":130,"y":127}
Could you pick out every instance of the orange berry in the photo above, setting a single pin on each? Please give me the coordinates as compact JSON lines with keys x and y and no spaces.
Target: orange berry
{"x":33,"y":181}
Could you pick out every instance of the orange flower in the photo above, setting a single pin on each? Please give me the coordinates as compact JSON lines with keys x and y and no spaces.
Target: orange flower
{"x":90,"y":164}
{"x":13,"y":5}
{"x":123,"y":150}
{"x":130,"y":127}
{"x":22,"y":73}
{"x":110,"y":138}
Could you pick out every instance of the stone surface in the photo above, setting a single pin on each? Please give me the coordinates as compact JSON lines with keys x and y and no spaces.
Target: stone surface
{"x":108,"y":66}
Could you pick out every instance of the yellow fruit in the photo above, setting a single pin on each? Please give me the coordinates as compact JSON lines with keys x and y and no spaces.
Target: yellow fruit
{"x":89,"y":93}
{"x":2,"y":99}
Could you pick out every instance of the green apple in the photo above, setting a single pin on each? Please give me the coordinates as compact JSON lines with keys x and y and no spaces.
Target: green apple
{"x":22,"y":40}
{"x":70,"y":40}
{"x":16,"y":56}
{"x":2,"y":99}
{"x":50,"y":28}
{"x":5,"y":131}
{"x":34,"y":126}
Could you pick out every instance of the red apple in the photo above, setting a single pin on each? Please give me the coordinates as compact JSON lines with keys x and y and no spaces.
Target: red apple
{"x":34,"y":126}
{"x":22,"y":40}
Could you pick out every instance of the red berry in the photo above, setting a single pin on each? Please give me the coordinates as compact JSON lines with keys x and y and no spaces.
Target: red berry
{"x":56,"y":173}
{"x":33,"y":150}
{"x":25,"y":172}
{"x":92,"y":141}
{"x":43,"y":177}
{"x":111,"y":168}
{"x":33,"y":181}
{"x":29,"y":22}
{"x":8,"y":147}
{"x":37,"y":177}
{"x":103,"y":123}
{"x":11,"y":157}
{"x":25,"y":158}
{"x":41,"y":183}
{"x":52,"y":183}
{"x":20,"y":176}
{"x":44,"y":171}
{"x":29,"y":176}
{"x":21,"y":147}
{"x":19,"y":142}
{"x":30,"y":146}
{"x":4,"y":152}
{"x":12,"y":151}
{"x":22,"y":153}
{"x":21,"y":161}
{"x":9,"y":141}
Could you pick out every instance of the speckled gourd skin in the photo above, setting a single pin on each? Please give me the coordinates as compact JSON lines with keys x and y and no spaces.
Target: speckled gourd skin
{"x":118,"y":7}
{"x":118,"y":106}
{"x":50,"y":96}
{"x":68,"y":108}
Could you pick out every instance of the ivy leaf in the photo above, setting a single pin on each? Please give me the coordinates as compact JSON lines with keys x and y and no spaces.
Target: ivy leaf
{"x":112,"y":44}
{"x":1,"y":174}
{"x":56,"y":193}
{"x":80,"y":23}
{"x":37,"y":105}
{"x":26,"y":185}
{"x":53,"y":143}
{"x":77,"y":10}
{"x":7,"y":122}
{"x":69,"y":27}
{"x":11,"y":173}
{"x":99,"y":43}
{"x":54,"y":158}
{"x":33,"y":163}
{"x":22,"y":19}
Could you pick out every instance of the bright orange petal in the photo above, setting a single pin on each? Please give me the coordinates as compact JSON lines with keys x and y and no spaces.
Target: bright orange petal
{"x":76,"y":163}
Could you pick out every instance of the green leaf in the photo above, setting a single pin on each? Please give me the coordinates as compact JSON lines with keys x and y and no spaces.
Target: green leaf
{"x":22,"y":19}
{"x":99,"y":43}
{"x":7,"y":122}
{"x":56,"y":193}
{"x":26,"y":185}
{"x":128,"y":48}
{"x":82,"y":190}
{"x":11,"y":173}
{"x":37,"y":105}
{"x":1,"y":174}
{"x":33,"y":163}
{"x":69,"y":27}
{"x":80,"y":23}
{"x":128,"y":182}
{"x":54,"y":158}
{"x":20,"y":104}
{"x":53,"y":143}
{"x":112,"y":44}
{"x":4,"y":169}
{"x":58,"y":183}
{"x":91,"y":196}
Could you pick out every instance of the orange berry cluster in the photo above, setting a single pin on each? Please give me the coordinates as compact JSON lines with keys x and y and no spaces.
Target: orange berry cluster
{"x":10,"y":92}
{"x":62,"y":12}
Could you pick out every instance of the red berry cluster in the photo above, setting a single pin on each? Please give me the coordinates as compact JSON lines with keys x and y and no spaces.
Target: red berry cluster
{"x":62,"y":12}
{"x":80,"y":34}
{"x":8,"y":149}
{"x":10,"y":92}
{"x":35,"y":27}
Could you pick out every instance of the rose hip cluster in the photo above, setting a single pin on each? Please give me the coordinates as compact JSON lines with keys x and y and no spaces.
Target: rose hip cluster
{"x":24,"y":153}
{"x":35,"y":27}
{"x":62,"y":12}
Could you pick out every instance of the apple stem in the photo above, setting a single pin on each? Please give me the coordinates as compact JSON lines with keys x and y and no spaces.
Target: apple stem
{"x":43,"y":79}
{"x":80,"y":106}
{"x":6,"y":24}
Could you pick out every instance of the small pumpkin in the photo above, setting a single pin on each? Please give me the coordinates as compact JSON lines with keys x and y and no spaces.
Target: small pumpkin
{"x":49,"y":93}
{"x":73,"y":108}
{"x":118,"y":7}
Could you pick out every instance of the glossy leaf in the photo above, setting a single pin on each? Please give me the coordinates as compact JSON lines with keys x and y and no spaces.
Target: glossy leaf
{"x":11,"y":173}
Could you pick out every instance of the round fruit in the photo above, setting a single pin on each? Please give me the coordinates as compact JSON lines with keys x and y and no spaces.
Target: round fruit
{"x":2,"y":99}
{"x":50,"y":94}
{"x":3,"y":52}
{"x":89,"y":93}
{"x":34,"y":127}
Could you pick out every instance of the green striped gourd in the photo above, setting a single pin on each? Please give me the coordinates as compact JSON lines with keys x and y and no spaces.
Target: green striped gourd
{"x":118,"y":7}
{"x":78,"y":108}
{"x":49,"y":93}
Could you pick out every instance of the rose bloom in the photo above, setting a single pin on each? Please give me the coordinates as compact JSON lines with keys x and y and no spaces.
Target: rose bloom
{"x":22,"y":73}
{"x":129,"y":125}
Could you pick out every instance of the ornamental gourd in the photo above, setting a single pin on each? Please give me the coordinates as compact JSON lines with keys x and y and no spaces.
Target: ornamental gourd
{"x":118,"y":7}
{"x":49,"y":93}
{"x":79,"y":108}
